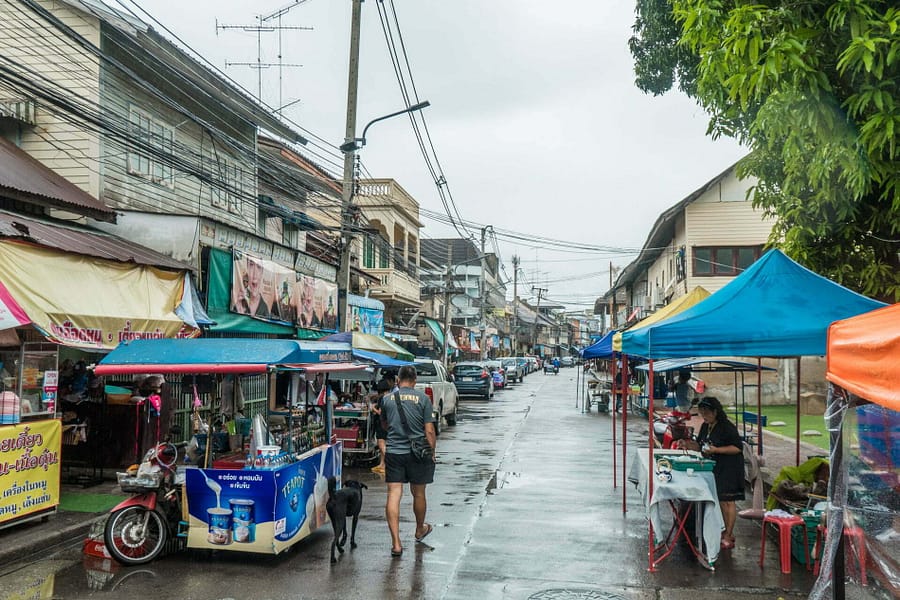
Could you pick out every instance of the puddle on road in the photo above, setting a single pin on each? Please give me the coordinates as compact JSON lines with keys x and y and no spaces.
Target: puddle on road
{"x":503,"y":479}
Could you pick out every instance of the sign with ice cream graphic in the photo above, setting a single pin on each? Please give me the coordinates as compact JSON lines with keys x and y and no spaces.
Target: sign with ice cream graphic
{"x":260,"y":510}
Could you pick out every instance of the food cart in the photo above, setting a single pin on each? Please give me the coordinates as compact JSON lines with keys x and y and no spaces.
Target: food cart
{"x":267,"y":499}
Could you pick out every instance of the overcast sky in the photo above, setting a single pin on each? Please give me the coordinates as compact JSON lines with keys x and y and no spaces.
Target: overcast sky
{"x":534,"y":115}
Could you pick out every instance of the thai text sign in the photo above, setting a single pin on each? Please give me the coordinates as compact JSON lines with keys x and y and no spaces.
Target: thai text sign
{"x":265,"y":290}
{"x":29,"y":467}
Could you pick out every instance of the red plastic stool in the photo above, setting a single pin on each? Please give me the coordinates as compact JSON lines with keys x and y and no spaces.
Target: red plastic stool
{"x":785,"y":524}
{"x":856,"y":538}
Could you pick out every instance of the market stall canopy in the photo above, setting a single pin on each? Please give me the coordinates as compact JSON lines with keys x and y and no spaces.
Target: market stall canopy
{"x":93,"y":303}
{"x":218,"y":355}
{"x":602,"y":348}
{"x":697,"y":295}
{"x":864,"y":356}
{"x":372,"y":343}
{"x":379,"y":360}
{"x":706,"y":365}
{"x":774,"y":308}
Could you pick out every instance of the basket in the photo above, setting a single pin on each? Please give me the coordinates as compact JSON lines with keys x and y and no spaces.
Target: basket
{"x":812,"y":518}
{"x":147,"y":482}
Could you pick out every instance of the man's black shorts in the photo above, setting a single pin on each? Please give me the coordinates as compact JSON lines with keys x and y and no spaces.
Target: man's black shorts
{"x":404,"y":468}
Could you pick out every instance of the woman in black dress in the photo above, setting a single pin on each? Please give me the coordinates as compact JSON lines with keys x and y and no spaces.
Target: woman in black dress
{"x":719,"y":440}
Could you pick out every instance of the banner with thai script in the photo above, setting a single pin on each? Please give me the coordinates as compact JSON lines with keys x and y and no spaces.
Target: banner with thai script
{"x":29,"y":468}
{"x":89,"y":302}
{"x":265,"y":290}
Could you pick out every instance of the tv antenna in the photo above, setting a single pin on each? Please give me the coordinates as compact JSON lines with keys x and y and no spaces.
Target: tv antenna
{"x":268,"y":24}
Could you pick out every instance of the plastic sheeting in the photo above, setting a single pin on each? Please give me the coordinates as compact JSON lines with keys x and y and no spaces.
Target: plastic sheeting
{"x":774,"y":308}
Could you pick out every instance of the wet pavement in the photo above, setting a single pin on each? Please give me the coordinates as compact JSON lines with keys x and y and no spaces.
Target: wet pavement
{"x":523,"y":507}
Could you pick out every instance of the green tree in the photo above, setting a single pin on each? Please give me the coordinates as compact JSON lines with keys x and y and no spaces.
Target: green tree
{"x":813,"y":89}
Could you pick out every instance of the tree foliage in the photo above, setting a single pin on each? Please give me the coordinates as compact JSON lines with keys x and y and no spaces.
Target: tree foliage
{"x":812,"y":87}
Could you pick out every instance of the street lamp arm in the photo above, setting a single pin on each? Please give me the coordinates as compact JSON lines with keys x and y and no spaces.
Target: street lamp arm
{"x":412,"y":108}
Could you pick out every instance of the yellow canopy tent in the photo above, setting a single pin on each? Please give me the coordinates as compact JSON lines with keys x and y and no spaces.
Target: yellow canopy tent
{"x":697,"y":295}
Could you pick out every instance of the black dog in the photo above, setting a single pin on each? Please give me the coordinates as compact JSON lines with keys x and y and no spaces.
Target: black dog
{"x":343,"y":503}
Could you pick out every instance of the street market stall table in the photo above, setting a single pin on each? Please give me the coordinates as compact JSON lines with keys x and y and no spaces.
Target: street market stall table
{"x":684,"y":493}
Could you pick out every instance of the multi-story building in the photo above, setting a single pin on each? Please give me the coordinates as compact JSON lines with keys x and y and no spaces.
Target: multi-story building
{"x":390,"y":252}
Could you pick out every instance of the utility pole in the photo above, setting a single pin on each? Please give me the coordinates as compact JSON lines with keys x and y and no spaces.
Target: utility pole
{"x":540,"y":291}
{"x":349,"y":160}
{"x":482,"y":326}
{"x":448,"y":283}
{"x":515,"y":327}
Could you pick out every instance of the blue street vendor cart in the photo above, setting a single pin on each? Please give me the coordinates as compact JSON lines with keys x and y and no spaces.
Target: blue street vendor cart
{"x":271,"y":492}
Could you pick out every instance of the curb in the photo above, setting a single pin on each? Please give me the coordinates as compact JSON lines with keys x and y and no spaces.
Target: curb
{"x":29,"y":539}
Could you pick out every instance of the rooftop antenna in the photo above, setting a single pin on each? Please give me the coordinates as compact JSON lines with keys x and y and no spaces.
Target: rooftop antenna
{"x":264,"y":24}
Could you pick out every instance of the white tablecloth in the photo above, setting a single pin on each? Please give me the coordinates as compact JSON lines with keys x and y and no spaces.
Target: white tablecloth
{"x":699,"y":488}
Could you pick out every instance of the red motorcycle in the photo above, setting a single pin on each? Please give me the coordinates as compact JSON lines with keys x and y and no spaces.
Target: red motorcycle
{"x":138,"y":528}
{"x":670,"y":428}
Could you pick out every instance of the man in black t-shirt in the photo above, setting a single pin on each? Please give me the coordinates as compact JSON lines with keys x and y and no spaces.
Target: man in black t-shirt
{"x":400,"y":464}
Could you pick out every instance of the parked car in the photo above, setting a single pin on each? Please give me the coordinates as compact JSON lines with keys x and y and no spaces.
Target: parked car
{"x":433,"y":379}
{"x":515,"y":370}
{"x":498,"y":373}
{"x":473,"y":379}
{"x":567,"y":361}
{"x":533,"y":361}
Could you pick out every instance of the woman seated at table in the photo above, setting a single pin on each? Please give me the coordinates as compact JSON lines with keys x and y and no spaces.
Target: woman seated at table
{"x":719,"y":440}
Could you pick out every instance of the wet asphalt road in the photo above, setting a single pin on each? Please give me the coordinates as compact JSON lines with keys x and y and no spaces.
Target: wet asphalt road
{"x":523,"y":507}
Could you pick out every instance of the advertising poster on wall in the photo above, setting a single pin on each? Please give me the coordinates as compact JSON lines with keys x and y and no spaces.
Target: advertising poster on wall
{"x":265,"y":290}
{"x":367,"y":320}
{"x":29,"y":468}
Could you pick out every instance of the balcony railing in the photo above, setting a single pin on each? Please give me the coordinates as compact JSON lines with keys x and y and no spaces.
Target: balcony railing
{"x":395,"y":284}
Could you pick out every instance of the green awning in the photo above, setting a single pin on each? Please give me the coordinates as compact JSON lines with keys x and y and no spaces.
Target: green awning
{"x":436,"y":331}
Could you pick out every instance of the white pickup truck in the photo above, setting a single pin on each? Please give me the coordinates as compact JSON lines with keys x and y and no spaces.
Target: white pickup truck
{"x":433,"y":379}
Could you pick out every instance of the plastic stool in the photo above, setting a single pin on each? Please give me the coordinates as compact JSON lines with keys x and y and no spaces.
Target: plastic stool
{"x":856,"y":537}
{"x":785,"y":524}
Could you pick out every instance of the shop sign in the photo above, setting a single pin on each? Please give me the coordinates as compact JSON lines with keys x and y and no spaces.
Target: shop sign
{"x":308,"y":265}
{"x":265,"y":290}
{"x":29,"y":468}
{"x":227,"y":238}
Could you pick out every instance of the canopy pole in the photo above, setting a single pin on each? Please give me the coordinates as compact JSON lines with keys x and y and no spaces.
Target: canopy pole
{"x":651,"y":470}
{"x":759,"y":432}
{"x":612,"y":411}
{"x":578,"y":390}
{"x":624,"y":374}
{"x":797,"y":446}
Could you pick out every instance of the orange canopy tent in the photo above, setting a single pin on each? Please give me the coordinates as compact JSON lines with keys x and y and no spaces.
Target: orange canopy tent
{"x":864,"y":356}
{"x":863,"y":363}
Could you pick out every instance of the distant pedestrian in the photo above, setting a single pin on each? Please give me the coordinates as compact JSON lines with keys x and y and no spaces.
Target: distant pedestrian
{"x":401,"y":465}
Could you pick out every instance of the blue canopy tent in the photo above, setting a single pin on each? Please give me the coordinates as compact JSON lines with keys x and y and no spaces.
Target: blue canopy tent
{"x":775,"y":308}
{"x":602,"y":348}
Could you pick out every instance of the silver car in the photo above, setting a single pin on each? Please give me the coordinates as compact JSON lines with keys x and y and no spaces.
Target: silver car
{"x":515,"y":370}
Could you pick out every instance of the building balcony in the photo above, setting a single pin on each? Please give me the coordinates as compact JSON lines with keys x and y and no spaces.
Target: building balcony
{"x":395,"y":286}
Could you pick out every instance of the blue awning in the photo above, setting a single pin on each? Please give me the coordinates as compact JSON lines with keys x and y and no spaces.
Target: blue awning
{"x":379,"y":360}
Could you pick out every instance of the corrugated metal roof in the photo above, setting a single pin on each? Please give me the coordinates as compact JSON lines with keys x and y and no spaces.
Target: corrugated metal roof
{"x":83,"y":241}
{"x":25,"y":178}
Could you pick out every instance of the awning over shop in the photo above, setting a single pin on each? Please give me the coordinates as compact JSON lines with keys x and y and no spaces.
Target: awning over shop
{"x":864,"y":356}
{"x":86,"y":302}
{"x":436,"y":330}
{"x":379,"y":360}
{"x":217,"y":355}
{"x":371,"y":343}
{"x":602,"y":348}
{"x":365,"y":302}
